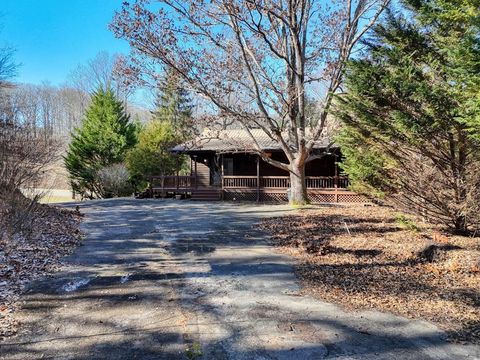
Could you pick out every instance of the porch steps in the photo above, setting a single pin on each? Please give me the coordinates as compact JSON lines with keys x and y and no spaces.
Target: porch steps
{"x":206,"y":194}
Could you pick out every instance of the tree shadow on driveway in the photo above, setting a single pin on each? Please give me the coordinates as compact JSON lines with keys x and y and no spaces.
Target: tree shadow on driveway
{"x":164,"y":276}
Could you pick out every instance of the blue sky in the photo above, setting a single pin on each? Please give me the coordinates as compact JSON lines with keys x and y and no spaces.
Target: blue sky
{"x":52,"y":36}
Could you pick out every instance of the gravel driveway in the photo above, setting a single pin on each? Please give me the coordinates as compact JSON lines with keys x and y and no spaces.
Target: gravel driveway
{"x":164,"y":279}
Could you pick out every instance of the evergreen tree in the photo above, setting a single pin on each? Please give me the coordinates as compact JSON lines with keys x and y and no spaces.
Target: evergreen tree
{"x":151,"y":156}
{"x":170,"y":125}
{"x":173,"y":104}
{"x":103,"y":138}
{"x":412,"y":112}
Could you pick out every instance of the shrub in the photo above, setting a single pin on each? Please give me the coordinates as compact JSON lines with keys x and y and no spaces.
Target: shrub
{"x":114,"y":181}
{"x":151,"y":156}
{"x":406,"y":223}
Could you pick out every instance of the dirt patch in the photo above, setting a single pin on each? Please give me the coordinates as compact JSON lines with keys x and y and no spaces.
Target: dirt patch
{"x":372,"y":257}
{"x":27,"y":255}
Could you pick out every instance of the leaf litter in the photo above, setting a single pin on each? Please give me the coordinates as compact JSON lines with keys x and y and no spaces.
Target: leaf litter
{"x":25,"y":256}
{"x":363,"y":257}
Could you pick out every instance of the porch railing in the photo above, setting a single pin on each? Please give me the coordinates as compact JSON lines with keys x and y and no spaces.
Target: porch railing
{"x":172,"y":182}
{"x":239,"y":182}
{"x":248,"y":182}
{"x":283,"y":182}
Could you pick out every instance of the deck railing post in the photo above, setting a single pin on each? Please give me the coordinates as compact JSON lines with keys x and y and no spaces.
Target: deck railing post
{"x":195,"y":164}
{"x":162,"y":181}
{"x":177,"y":180}
{"x":336,"y":182}
{"x":258,"y":178}
{"x":222,"y":176}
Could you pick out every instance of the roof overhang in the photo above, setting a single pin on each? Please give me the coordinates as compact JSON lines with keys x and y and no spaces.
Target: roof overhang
{"x":237,"y":141}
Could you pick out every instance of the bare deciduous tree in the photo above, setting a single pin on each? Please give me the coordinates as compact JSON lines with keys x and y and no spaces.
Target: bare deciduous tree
{"x":8,"y":68}
{"x":50,"y":110}
{"x":101,"y":73}
{"x":256,"y":60}
{"x":24,"y":154}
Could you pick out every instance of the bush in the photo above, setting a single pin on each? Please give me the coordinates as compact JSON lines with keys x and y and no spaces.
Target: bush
{"x":24,"y":156}
{"x":406,"y":223}
{"x":151,"y":156}
{"x":114,"y":181}
{"x":17,"y":214}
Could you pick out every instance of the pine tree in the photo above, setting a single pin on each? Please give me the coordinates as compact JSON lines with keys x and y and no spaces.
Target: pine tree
{"x":412,"y":112}
{"x":173,"y":104}
{"x":151,"y":156}
{"x":103,"y":138}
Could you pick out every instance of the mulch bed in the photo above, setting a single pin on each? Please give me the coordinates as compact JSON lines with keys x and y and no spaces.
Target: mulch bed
{"x":369,"y":257}
{"x":27,"y":255}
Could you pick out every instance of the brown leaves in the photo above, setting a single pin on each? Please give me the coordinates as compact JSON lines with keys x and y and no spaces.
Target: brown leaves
{"x":376,"y":264}
{"x":26,"y":256}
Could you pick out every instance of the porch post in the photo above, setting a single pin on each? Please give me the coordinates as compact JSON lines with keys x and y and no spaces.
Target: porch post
{"x":190,"y":185}
{"x":195,"y":164}
{"x":222,"y":173}
{"x":258,"y":178}
{"x":178,"y":165}
{"x":336,"y":181}
{"x":163,"y":185}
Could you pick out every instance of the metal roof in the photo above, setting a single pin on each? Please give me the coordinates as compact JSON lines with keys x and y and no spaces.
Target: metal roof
{"x":233,"y":140}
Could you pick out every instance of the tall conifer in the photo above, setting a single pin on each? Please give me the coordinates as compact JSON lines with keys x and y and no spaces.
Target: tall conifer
{"x":412,"y":112}
{"x":173,"y":104}
{"x":103,"y":138}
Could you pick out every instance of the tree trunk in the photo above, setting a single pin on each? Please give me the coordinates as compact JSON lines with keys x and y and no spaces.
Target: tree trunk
{"x":298,"y":186}
{"x":459,"y":166}
{"x":461,"y":224}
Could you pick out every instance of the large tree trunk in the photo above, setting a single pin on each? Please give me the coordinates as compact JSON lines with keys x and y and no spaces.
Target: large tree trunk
{"x":461,"y":226}
{"x":458,"y":162}
{"x":298,"y":185}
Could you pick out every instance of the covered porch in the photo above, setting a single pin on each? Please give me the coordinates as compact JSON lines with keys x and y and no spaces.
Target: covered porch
{"x":190,"y":183}
{"x":244,"y":176}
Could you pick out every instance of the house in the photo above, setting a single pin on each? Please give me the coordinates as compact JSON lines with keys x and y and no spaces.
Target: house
{"x":225,"y":166}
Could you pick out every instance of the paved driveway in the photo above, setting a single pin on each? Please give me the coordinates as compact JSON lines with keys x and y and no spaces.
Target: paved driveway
{"x":183,"y":280}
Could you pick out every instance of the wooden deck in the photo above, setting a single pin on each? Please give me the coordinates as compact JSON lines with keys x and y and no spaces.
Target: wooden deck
{"x":283,"y":182}
{"x":253,"y":188}
{"x":164,"y":184}
{"x":188,"y":183}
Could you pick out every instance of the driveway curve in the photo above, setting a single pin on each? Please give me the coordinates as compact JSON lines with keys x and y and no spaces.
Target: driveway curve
{"x":165,"y":279}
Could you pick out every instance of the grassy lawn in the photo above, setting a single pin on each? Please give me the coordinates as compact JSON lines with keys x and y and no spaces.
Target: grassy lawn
{"x":53,"y":199}
{"x":374,"y":258}
{"x":49,"y":196}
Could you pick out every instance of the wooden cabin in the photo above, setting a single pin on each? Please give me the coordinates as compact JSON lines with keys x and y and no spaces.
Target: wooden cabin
{"x":224,"y":167}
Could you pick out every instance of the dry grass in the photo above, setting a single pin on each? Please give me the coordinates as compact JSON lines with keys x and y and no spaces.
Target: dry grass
{"x":51,"y":199}
{"x":370,"y":257}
